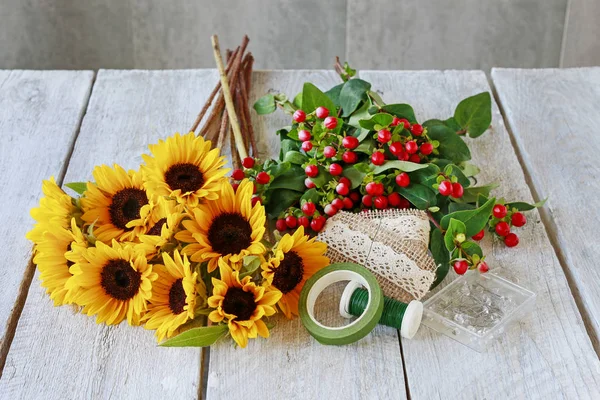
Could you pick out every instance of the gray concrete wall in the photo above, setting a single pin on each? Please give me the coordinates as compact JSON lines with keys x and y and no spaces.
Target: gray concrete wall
{"x":380,"y":34}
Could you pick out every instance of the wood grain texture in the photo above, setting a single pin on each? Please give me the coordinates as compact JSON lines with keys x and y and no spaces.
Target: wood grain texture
{"x":475,"y":34}
{"x":57,"y":354}
{"x":557,"y":141}
{"x":547,"y":354}
{"x":291,"y":364}
{"x":40,"y":114}
{"x":581,"y":47}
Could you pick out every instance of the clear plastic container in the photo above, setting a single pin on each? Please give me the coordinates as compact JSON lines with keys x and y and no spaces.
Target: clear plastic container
{"x":477,"y":308}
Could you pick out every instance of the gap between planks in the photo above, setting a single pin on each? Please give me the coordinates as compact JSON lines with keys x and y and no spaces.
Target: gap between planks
{"x":549,"y":226}
{"x":13,"y":319}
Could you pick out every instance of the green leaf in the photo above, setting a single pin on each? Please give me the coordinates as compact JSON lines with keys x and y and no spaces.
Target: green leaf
{"x":452,"y":124}
{"x":522,"y":206}
{"x":277,"y":168}
{"x":440,"y":255}
{"x":265,"y":105}
{"x":298,"y":100}
{"x":471,"y":194}
{"x":295,"y":157}
{"x":356,"y":177}
{"x":322,"y":178}
{"x":469,"y":169}
{"x":366,"y":146}
{"x":334,"y":94}
{"x":250,"y":265}
{"x":451,"y":146}
{"x":311,"y":195}
{"x":454,"y":170}
{"x":474,"y":220}
{"x":453,"y":207}
{"x":292,"y":178}
{"x":312,"y":97}
{"x":401,"y":111}
{"x":197,"y":337}
{"x":471,"y":248}
{"x":420,"y":196}
{"x":382,"y":119}
{"x":280,"y":200}
{"x":475,"y":114}
{"x":405,"y":166}
{"x":454,"y":227}
{"x":287,"y":145}
{"x":352,"y":94}
{"x":77,"y":187}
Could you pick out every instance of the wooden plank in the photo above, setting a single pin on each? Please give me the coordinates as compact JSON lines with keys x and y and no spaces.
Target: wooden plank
{"x":581,"y":47}
{"x":562,"y":130}
{"x":40,"y":114}
{"x":548,"y":354}
{"x":58,"y":354}
{"x":291,"y":364}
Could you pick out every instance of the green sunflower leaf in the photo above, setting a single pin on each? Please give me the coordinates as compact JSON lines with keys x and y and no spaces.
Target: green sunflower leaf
{"x":197,"y":337}
{"x":77,"y":187}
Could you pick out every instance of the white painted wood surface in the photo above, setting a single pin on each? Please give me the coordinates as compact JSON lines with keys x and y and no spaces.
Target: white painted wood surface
{"x":291,"y":364}
{"x":548,"y":354}
{"x":40,"y":114}
{"x":57,"y":354}
{"x":554,"y":118}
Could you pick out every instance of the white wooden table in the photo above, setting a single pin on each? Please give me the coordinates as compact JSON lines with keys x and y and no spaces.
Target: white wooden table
{"x":63,"y":123}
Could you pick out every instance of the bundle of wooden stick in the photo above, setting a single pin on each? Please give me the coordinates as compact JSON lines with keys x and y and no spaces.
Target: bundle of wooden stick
{"x":228,"y":122}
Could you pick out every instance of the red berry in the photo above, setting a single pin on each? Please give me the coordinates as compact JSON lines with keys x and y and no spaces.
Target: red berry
{"x":396,"y":148}
{"x":330,"y":122}
{"x":355,"y":196}
{"x":381,"y":202}
{"x":256,"y":199}
{"x":309,"y":183}
{"x":460,"y":267}
{"x":426,"y":149}
{"x":307,"y":146}
{"x":394,"y":199}
{"x":330,"y":210}
{"x":502,"y":228}
{"x":303,"y":221}
{"x":348,"y":203}
{"x":405,"y":123}
{"x":299,"y":116}
{"x":404,"y":156}
{"x":350,"y":142}
{"x":304,"y":135}
{"x":238,"y":174}
{"x":263,"y":178}
{"x":479,"y":235}
{"x":337,"y":203}
{"x":404,"y":203}
{"x":317,"y":223}
{"x":349,"y":157}
{"x":311,"y":170}
{"x":309,"y":208}
{"x":248,"y":162}
{"x":457,"y":190}
{"x":416,"y":130}
{"x":411,"y":147}
{"x":415,"y":158}
{"x":291,"y":221}
{"x":511,"y":240}
{"x":329,"y":152}
{"x":345,"y":181}
{"x":483,"y":267}
{"x":374,"y":188}
{"x":235,"y":186}
{"x":518,"y":219}
{"x":367,"y":200}
{"x":403,"y":180}
{"x":445,"y":188}
{"x":379,"y":189}
{"x":342,"y":189}
{"x":395,"y":121}
{"x":499,"y":211}
{"x":384,"y":136}
{"x":281,"y":225}
{"x":335,"y":169}
{"x":322,"y":112}
{"x":377,"y":158}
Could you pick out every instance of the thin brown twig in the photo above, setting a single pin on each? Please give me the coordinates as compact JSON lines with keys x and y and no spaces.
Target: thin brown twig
{"x":246,"y":111}
{"x":235,"y":157}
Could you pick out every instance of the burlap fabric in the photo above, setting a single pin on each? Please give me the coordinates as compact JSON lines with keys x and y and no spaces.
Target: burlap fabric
{"x":393,"y":244}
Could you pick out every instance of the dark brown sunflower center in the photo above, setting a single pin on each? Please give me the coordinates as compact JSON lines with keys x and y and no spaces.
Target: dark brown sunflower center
{"x":239,"y":303}
{"x":289,"y":273}
{"x":156,"y":229}
{"x":186,"y":177}
{"x":230,"y":233}
{"x":126,"y":205}
{"x":69,"y":262}
{"x":177,"y":297}
{"x":119,"y":280}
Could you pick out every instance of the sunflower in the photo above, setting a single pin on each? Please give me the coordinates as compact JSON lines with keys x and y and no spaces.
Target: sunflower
{"x":242,"y":304}
{"x":296,"y":258}
{"x":116,"y":204}
{"x":113,"y":282}
{"x":173,"y":296}
{"x":228,"y":228}
{"x":55,"y":253}
{"x":56,"y":209}
{"x":184,"y":167}
{"x":162,"y":224}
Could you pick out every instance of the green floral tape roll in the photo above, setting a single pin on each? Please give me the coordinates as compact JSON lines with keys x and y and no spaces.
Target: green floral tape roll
{"x":360,"y":327}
